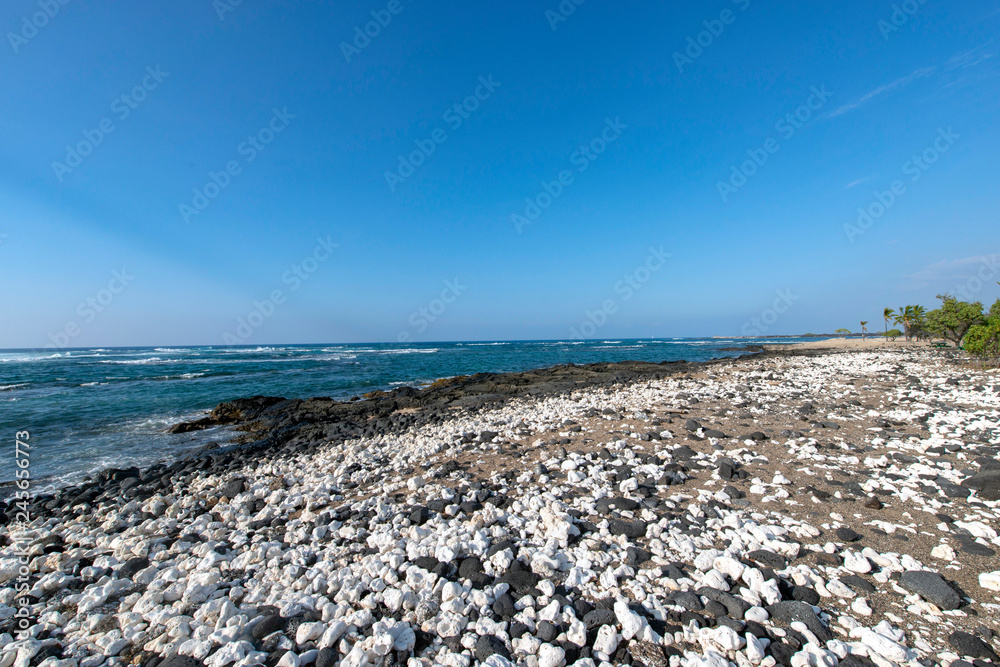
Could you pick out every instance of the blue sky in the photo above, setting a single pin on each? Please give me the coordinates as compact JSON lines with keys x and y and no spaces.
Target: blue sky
{"x":649,"y":232}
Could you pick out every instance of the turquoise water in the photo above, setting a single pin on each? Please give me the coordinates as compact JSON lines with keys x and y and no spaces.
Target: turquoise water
{"x":88,"y":409}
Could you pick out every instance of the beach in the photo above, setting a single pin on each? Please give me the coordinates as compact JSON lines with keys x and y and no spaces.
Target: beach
{"x":872,"y":343}
{"x":806,"y":505}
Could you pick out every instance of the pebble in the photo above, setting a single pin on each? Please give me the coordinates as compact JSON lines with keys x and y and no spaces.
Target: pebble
{"x":990,"y":580}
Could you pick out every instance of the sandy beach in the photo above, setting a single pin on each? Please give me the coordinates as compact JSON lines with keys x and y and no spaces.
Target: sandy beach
{"x":857,"y":344}
{"x":799,"y":507}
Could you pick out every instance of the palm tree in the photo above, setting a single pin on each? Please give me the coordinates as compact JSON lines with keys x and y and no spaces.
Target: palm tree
{"x":912,"y":319}
{"x":903,"y":316}
{"x":886,"y":314}
{"x":863,"y":329}
{"x":917,"y":316}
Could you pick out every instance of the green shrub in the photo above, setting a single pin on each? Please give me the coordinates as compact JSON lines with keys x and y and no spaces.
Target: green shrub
{"x":954,"y":318}
{"x":983,"y":341}
{"x":893,"y":334}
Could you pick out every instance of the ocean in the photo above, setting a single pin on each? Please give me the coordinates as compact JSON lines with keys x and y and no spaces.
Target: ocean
{"x":89,"y":409}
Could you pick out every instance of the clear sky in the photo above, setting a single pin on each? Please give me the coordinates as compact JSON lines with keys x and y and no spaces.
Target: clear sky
{"x":656,"y":169}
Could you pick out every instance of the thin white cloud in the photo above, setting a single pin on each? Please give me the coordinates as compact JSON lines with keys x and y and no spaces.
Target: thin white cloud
{"x":955,"y":269}
{"x":894,"y":85}
{"x":969,"y":58}
{"x":853,"y":183}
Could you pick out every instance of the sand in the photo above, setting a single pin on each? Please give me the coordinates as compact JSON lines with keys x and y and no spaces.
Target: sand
{"x":854,"y":344}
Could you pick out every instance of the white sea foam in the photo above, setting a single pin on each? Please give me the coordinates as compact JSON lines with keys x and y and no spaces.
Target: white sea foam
{"x":26,"y":356}
{"x":619,"y":347}
{"x":148,"y":360}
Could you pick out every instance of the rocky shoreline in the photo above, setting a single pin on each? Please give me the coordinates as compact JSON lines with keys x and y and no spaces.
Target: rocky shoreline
{"x":783,"y":508}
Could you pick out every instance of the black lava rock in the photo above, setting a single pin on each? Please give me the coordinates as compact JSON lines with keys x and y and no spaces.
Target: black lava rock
{"x":504,"y":606}
{"x":520,"y":580}
{"x":547,"y":631}
{"x":716,"y":609}
{"x":599,"y":617}
{"x":608,"y":505}
{"x":326,"y":657}
{"x":845,"y":534}
{"x":986,"y":484}
{"x":634,"y":556}
{"x":267,"y":625}
{"x":769,"y":559}
{"x":232,"y":489}
{"x":735,"y":606}
{"x":517,"y":629}
{"x":469,"y":567}
{"x":805,"y":594}
{"x":132,"y":566}
{"x":858,"y":584}
{"x":932,"y":587}
{"x":630,"y":529}
{"x":781,"y":652}
{"x":181,"y":661}
{"x":789,"y":611}
{"x":488,"y":645}
{"x":420,"y":515}
{"x":426,"y":563}
{"x":688,"y":601}
{"x":971,"y":645}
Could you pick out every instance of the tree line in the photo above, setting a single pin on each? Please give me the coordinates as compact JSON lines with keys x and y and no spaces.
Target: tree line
{"x":964,"y":324}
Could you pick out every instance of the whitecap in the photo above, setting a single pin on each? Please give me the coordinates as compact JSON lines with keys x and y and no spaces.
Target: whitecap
{"x":148,"y":360}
